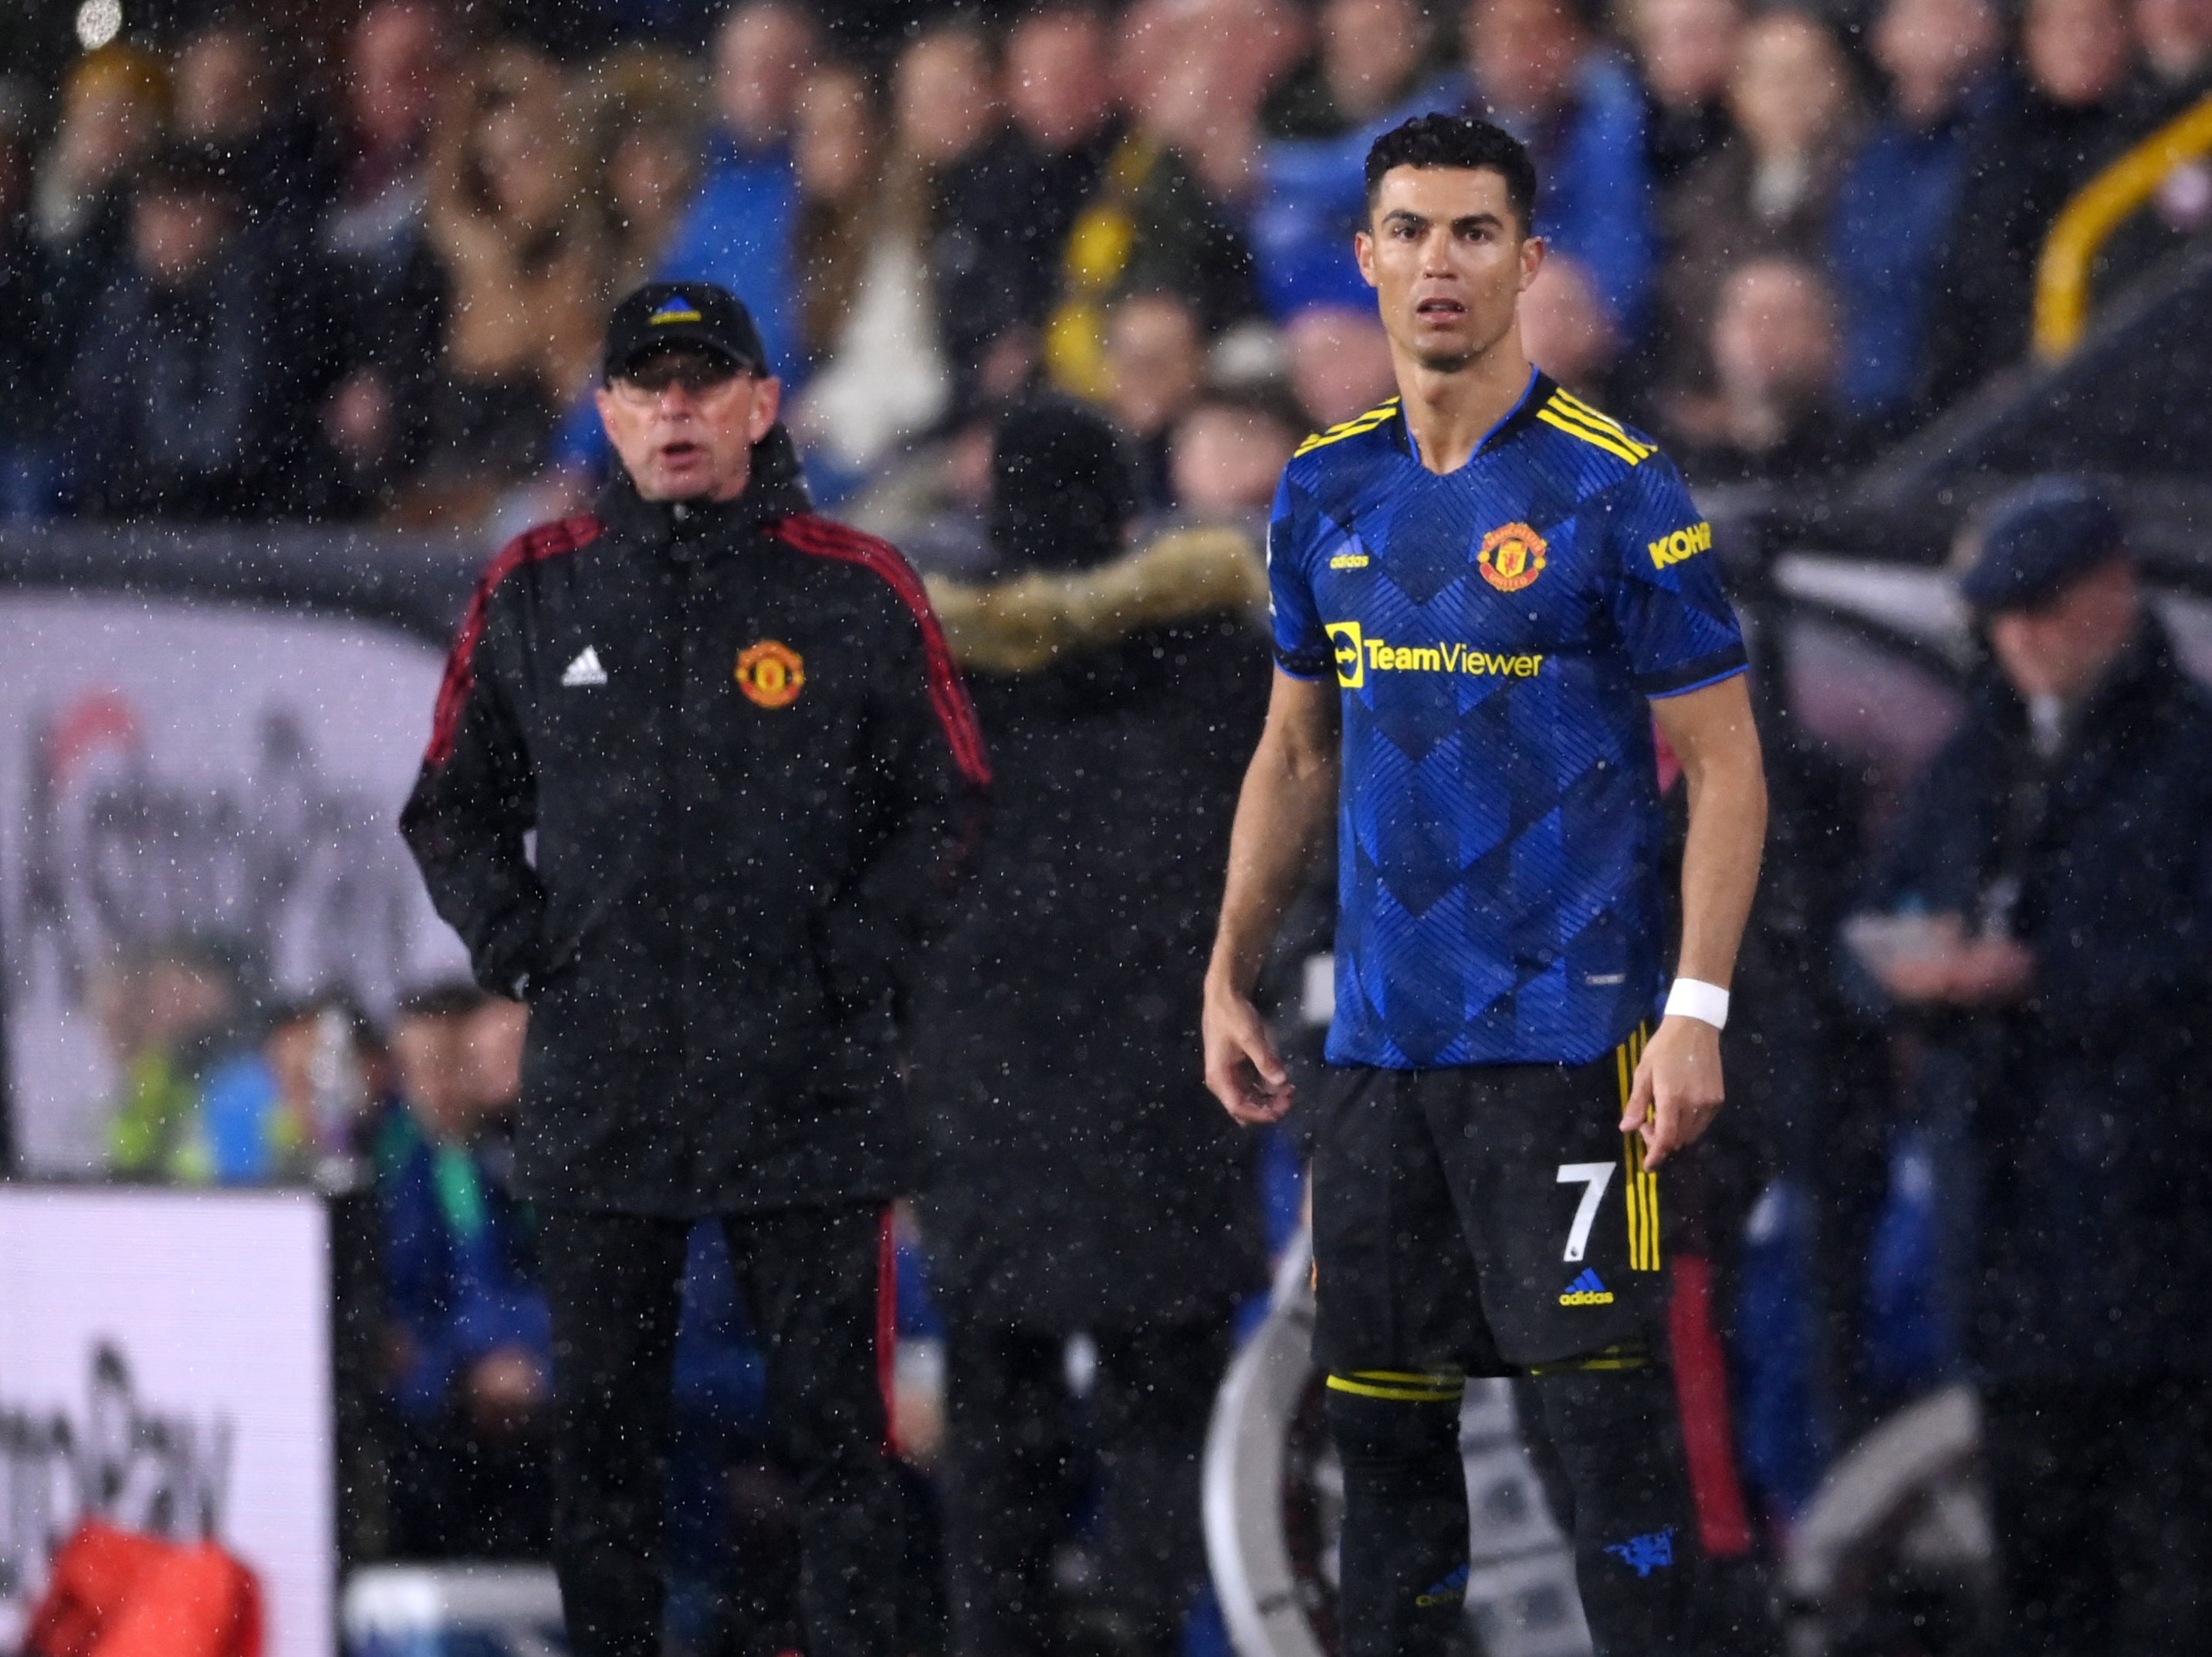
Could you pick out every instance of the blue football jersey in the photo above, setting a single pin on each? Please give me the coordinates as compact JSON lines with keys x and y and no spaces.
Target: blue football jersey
{"x":1497,"y":635}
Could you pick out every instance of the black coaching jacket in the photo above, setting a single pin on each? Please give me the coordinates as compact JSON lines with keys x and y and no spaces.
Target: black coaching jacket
{"x":749,"y":766}
{"x":2071,"y":1127}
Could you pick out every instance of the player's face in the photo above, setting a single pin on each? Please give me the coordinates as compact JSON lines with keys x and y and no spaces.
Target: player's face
{"x":1444,"y":251}
{"x":685,"y":425}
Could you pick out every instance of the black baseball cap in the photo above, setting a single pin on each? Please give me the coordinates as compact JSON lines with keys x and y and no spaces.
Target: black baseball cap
{"x":696,"y":314}
{"x":2038,"y":538}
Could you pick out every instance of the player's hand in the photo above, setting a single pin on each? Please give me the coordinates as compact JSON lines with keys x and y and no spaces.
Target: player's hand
{"x":1677,"y":1091}
{"x":1242,"y":1069}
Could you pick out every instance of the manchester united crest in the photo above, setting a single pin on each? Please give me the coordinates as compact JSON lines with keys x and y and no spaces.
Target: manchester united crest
{"x":771,"y":673}
{"x":1512,"y":557}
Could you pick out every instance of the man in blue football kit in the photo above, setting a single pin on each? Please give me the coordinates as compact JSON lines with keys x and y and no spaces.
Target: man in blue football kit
{"x":1485,"y":593}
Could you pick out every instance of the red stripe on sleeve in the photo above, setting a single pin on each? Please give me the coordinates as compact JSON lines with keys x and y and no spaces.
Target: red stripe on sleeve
{"x":887,"y":1329}
{"x":1701,"y":1389}
{"x":546,"y":541}
{"x":824,"y":539}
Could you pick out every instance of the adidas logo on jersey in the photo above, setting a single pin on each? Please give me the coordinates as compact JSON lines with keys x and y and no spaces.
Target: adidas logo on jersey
{"x":1587,"y":1291}
{"x":586,"y":669}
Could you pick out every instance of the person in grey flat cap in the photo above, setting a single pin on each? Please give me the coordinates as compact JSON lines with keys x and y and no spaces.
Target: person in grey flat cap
{"x":2056,"y":863}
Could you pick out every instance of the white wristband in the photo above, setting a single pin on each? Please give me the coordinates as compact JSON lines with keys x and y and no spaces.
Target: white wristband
{"x":1691,"y":999}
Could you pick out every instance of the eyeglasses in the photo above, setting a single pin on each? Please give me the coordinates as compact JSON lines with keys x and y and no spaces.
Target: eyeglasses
{"x":695,"y":376}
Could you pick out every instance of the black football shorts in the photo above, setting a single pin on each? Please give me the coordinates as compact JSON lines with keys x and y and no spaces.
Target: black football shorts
{"x":1485,"y":1219}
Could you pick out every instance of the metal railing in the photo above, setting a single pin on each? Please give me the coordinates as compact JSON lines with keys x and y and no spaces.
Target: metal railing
{"x":2098,"y":209}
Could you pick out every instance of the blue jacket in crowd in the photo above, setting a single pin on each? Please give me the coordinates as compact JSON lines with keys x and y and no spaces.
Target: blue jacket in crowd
{"x":2068,"y":1130}
{"x":737,"y":232}
{"x":1894,"y":210}
{"x":459,"y":1263}
{"x":1314,"y":197}
{"x":1595,"y":200}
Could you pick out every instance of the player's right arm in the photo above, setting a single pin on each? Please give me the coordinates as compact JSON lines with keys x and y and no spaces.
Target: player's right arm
{"x":1282,"y":815}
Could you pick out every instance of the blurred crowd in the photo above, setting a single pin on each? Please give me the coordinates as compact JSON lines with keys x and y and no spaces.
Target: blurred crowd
{"x":246,"y":277}
{"x":240,"y":279}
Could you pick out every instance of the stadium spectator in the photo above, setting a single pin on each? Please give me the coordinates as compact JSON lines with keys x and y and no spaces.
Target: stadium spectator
{"x":739,"y":232}
{"x":230,"y":98}
{"x":1769,"y":188}
{"x":2175,"y":40}
{"x":26,"y":387}
{"x":838,"y":145}
{"x":1686,"y":50}
{"x":396,"y":69}
{"x":1131,"y":1219}
{"x":471,"y":1341}
{"x":2175,"y":46}
{"x":645,"y":144}
{"x":1340,"y":363}
{"x":2053,"y":871}
{"x":1775,"y":350}
{"x":168,"y":1015}
{"x":510,"y":220}
{"x":1566,"y":329}
{"x":393,"y":291}
{"x":1372,"y":57}
{"x":1025,"y":203}
{"x":1155,"y":367}
{"x":185,"y":398}
{"x":335,"y":1087}
{"x":951,"y":137}
{"x":1167,"y":214}
{"x":1535,"y":67}
{"x":1901,"y":193}
{"x":2040,"y":146}
{"x":1226,"y":456}
{"x":1314,"y":180}
{"x":877,"y":365}
{"x":114,"y":112}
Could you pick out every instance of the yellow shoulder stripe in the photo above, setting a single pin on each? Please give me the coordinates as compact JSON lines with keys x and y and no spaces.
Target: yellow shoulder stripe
{"x":1568,"y":403}
{"x":1352,"y":427}
{"x":1609,"y":437}
{"x":1570,"y":406}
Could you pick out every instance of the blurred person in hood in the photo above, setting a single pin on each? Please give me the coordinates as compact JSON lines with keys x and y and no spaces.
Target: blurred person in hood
{"x":1077,"y":1185}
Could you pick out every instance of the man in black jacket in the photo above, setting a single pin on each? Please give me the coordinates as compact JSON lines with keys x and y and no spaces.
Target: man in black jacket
{"x":1075,"y":1186}
{"x":2058,"y":854}
{"x":747,"y":757}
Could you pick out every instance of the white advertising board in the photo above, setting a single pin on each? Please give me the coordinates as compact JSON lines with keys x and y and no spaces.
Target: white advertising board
{"x":164,"y":1362}
{"x":170,"y":767}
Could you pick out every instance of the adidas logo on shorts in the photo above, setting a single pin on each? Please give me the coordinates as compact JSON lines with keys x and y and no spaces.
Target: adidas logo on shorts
{"x":1587,"y":1291}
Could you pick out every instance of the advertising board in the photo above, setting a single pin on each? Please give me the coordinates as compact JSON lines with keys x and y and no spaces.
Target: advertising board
{"x":165,"y":1363}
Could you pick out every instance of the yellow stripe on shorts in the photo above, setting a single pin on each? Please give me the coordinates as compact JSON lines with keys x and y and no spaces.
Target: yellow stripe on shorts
{"x":1642,"y":1190}
{"x":1400,"y":1388}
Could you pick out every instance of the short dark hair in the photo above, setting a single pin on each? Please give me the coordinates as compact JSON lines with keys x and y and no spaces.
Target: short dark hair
{"x":1458,"y":141}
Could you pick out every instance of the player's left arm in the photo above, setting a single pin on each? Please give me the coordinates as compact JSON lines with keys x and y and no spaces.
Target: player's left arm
{"x":1678,"y":1088}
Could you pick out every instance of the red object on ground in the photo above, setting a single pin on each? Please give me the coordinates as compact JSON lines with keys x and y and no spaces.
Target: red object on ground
{"x":116,"y":1593}
{"x":1701,"y":1388}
